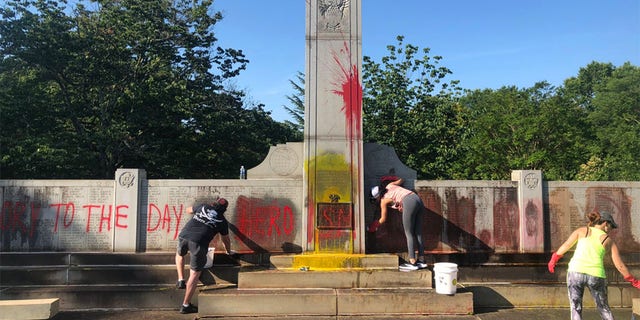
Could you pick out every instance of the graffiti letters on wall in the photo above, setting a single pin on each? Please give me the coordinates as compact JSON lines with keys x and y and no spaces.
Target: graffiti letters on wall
{"x":32,"y":221}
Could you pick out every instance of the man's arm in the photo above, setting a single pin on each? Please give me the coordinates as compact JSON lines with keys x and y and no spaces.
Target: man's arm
{"x":226,"y":241}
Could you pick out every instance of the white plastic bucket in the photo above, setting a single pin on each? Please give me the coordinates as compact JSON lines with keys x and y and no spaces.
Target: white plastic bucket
{"x":446,"y":277}
{"x":210,"y":254}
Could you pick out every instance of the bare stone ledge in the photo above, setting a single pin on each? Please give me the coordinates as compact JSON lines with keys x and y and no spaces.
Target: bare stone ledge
{"x":29,"y":309}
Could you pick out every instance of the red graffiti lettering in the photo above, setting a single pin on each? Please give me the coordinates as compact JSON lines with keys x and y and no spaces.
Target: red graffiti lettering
{"x":120,"y":215}
{"x":249,"y":218}
{"x":327,"y":218}
{"x":265,"y":223}
{"x":330,"y":234}
{"x":72,"y":207}
{"x":335,"y":216}
{"x":152,"y":208}
{"x":35,"y":215}
{"x":105,"y":218}
{"x":288,"y":220}
{"x":14,"y":218}
{"x":165,"y":218}
{"x":178,"y":215}
{"x":89,"y":207}
{"x":67,"y":207}
{"x":3,"y":215}
{"x":274,"y":216}
{"x":55,"y":225}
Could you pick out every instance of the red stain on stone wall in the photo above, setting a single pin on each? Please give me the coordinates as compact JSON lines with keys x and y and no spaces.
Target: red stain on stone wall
{"x":461,"y":212}
{"x":449,"y":225}
{"x":533,"y":235}
{"x":350,"y":90}
{"x":506,"y":221}
{"x":618,"y":203}
{"x":20,"y":217}
{"x":263,"y":225}
{"x":434,"y":222}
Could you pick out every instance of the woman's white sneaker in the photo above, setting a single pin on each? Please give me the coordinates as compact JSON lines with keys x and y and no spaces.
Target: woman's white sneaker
{"x":408,"y":267}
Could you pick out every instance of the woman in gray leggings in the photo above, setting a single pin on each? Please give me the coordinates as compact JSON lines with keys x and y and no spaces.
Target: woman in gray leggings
{"x":586,"y":267}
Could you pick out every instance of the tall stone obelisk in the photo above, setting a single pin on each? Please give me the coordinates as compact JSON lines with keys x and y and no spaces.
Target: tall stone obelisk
{"x":333,"y":171}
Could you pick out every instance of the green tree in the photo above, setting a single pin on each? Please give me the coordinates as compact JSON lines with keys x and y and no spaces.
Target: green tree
{"x":529,"y":128}
{"x":615,"y":122}
{"x":583,"y":88}
{"x":296,"y":110}
{"x":127,"y":83}
{"x":408,"y":105}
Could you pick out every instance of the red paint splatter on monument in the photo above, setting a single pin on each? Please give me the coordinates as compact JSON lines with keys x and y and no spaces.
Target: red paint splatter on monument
{"x":351,"y":92}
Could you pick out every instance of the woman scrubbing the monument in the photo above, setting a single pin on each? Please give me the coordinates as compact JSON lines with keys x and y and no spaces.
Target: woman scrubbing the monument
{"x":392,"y":194}
{"x":586,"y":267}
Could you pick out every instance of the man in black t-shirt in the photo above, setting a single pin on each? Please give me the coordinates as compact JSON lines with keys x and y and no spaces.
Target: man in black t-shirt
{"x":208,"y":221}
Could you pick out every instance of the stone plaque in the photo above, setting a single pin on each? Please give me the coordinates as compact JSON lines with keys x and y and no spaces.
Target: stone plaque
{"x":335,"y":215}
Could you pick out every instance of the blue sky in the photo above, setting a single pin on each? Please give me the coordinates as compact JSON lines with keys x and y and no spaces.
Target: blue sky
{"x":487,"y":44}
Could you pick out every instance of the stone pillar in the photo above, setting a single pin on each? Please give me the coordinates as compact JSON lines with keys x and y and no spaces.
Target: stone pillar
{"x":530,"y":210}
{"x":125,"y":212}
{"x":333,"y":172}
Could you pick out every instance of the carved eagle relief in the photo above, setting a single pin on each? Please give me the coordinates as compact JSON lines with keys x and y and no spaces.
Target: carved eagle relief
{"x":332,"y":14}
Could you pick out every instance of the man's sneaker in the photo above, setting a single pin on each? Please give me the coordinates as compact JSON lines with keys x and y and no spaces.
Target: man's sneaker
{"x":421,"y":265}
{"x":408,"y":267}
{"x":180,"y":284}
{"x":188,"y":309}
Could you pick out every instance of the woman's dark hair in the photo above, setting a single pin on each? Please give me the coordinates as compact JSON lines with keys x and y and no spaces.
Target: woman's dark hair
{"x":383,"y":187}
{"x":594,"y":218}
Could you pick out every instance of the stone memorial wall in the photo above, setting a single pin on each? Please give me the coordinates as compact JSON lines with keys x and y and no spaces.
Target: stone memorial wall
{"x":55,"y":215}
{"x":267,"y":215}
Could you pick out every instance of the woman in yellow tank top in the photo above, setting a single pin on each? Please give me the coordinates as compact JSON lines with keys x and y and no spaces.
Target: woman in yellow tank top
{"x":586,"y":267}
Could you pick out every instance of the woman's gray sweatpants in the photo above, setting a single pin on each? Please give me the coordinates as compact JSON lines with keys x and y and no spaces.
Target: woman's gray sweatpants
{"x":412,"y":209}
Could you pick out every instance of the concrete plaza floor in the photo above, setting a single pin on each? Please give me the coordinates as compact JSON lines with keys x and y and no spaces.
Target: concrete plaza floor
{"x":500,"y":314}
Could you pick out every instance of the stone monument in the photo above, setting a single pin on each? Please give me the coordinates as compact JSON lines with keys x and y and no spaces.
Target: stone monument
{"x":333,"y":174}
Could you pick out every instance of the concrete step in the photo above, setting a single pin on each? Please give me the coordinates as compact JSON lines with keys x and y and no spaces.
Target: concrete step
{"x":551,"y":295}
{"x":328,"y":261}
{"x":52,"y":269}
{"x":323,"y":302}
{"x":529,"y":273}
{"x":484,"y":295}
{"x":101,"y":296}
{"x":343,"y":279}
{"x":147,"y":280}
{"x":323,"y":285}
{"x":109,"y":275}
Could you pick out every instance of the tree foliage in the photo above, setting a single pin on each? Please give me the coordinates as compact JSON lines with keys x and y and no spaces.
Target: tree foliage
{"x":408,"y":105}
{"x":516,"y":129}
{"x":588,"y":129}
{"x":296,"y":110}
{"x":614,"y":121}
{"x":123,"y":83}
{"x":109,"y":84}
